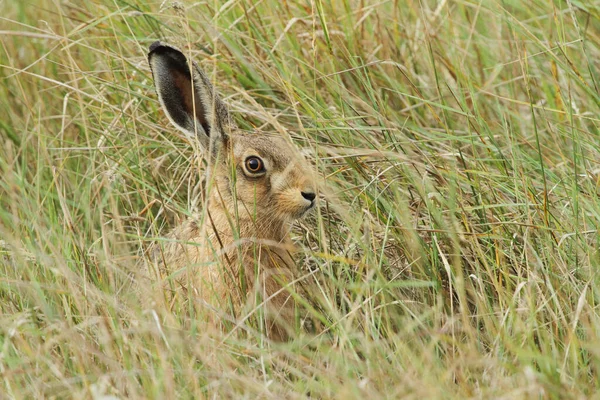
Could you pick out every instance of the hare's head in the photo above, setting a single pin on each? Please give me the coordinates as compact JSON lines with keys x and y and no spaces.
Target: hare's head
{"x":259,"y":174}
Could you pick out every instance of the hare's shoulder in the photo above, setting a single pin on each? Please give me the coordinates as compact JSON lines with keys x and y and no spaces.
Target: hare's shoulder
{"x":181,"y":246}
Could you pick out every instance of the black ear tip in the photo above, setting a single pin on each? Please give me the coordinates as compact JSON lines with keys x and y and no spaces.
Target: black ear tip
{"x":165,"y":50}
{"x":154,"y":46}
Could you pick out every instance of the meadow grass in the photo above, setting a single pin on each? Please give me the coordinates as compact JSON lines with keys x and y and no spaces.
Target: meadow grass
{"x":455,"y":248}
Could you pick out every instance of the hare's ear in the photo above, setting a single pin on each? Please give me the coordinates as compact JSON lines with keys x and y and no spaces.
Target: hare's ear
{"x":188,"y":97}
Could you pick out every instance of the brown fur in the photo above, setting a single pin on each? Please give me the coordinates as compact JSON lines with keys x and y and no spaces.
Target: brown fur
{"x":238,"y":252}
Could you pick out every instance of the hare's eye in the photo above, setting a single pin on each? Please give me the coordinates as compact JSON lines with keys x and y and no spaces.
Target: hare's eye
{"x":255,"y":165}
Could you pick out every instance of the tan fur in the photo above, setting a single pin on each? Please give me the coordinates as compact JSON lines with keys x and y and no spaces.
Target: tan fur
{"x":238,"y":254}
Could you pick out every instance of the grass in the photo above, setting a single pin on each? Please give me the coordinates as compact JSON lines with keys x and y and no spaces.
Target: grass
{"x":456,"y":250}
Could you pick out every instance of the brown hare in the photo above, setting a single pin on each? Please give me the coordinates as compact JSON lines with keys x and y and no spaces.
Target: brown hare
{"x":238,"y":252}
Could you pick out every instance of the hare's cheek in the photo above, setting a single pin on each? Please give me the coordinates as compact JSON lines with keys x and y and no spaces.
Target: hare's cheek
{"x":252,"y":192}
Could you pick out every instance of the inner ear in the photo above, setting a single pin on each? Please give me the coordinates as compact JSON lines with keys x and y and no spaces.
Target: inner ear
{"x":191,"y":100}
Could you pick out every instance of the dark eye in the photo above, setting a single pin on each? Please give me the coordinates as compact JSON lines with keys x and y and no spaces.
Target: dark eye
{"x":254,"y":165}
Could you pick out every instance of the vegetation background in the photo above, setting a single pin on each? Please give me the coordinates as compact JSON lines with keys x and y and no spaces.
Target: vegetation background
{"x":456,"y":242}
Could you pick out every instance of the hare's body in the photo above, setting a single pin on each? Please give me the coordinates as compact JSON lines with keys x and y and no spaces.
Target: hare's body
{"x":237,"y":253}
{"x":238,"y":275}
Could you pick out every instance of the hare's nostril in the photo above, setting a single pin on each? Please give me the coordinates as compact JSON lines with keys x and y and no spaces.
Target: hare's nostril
{"x":310,"y":196}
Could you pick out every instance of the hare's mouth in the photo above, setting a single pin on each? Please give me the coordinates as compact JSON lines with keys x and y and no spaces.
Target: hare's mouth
{"x":305,"y":210}
{"x":294,"y":206}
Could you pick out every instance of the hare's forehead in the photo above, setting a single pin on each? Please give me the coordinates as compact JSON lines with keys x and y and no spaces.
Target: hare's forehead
{"x":275,"y":149}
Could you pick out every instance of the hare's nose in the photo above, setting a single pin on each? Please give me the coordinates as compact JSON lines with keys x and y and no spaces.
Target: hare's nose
{"x":310,"y":196}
